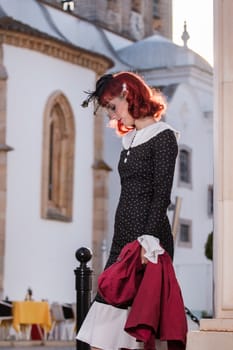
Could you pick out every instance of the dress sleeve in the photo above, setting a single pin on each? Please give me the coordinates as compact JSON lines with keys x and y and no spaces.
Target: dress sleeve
{"x":164,"y":151}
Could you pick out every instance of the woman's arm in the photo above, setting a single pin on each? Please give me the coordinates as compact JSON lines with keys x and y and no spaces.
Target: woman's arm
{"x":164,"y":150}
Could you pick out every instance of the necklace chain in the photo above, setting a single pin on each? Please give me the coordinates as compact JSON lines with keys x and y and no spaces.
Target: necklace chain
{"x":129,"y":149}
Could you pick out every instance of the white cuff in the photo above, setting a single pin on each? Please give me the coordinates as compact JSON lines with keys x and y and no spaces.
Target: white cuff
{"x":152,"y":247}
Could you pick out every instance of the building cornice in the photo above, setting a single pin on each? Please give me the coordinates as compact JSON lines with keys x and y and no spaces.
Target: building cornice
{"x":18,"y":34}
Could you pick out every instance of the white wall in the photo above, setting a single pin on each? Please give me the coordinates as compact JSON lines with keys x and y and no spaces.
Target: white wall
{"x":196,"y":282}
{"x":41,"y":253}
{"x":112,"y":149}
{"x":193,"y":269}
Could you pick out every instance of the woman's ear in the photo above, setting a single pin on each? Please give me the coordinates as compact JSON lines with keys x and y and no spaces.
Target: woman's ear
{"x":123,"y":95}
{"x":124,"y":91}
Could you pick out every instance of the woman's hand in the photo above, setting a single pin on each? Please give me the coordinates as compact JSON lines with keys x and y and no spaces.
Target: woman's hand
{"x":143,"y":259}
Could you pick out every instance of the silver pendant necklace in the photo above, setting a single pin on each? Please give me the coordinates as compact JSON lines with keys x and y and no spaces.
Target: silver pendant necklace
{"x":129,"y":149}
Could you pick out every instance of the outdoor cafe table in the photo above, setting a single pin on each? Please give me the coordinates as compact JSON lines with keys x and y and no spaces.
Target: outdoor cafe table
{"x":28,"y":313}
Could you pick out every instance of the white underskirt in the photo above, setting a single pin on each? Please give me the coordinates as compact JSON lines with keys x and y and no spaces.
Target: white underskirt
{"x":103,"y":328}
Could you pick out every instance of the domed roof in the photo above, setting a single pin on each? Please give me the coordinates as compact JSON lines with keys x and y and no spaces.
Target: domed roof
{"x":157,"y":51}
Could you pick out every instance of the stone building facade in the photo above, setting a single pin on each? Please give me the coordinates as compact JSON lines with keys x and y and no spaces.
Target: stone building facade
{"x":133,"y":19}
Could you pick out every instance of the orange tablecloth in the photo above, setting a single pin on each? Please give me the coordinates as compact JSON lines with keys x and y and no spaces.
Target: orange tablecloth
{"x":31,"y":312}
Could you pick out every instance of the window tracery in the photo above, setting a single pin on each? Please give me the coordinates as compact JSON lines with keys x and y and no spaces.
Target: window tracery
{"x":58,"y":159}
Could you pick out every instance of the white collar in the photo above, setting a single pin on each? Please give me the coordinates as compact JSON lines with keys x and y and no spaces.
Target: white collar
{"x":136,"y":137}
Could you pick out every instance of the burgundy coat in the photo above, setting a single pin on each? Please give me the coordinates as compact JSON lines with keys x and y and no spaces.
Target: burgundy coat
{"x":157,"y":309}
{"x":119,"y":283}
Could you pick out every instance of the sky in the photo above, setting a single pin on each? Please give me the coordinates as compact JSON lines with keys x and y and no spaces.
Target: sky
{"x":198,"y":15}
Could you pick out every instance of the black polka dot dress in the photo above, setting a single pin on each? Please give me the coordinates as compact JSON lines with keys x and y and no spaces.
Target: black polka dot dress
{"x":146,"y":169}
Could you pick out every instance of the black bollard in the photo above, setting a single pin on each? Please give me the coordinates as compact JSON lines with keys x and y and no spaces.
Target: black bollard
{"x":83,"y":290}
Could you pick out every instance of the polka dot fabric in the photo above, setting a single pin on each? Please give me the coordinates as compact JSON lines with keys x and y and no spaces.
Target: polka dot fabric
{"x":146,"y":182}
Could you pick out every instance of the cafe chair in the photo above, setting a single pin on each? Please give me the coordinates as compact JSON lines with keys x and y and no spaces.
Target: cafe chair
{"x":69,"y":311}
{"x":63,"y":321}
{"x":6,"y":318}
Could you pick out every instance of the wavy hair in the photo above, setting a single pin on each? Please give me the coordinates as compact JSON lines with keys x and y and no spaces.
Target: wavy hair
{"x":143,"y":101}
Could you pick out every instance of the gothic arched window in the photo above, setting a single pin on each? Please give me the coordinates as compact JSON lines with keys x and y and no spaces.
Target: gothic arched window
{"x":58,"y":159}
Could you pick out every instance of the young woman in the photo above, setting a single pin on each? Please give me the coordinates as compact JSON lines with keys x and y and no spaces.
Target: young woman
{"x":146,"y":169}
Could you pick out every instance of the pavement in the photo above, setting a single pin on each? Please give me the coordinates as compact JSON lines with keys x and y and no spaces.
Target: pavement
{"x":37,"y":345}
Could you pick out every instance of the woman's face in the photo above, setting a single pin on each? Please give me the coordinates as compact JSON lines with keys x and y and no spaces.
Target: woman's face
{"x":117,"y":108}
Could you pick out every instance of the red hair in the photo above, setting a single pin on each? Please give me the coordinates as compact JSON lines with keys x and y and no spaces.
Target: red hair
{"x":143,"y":101}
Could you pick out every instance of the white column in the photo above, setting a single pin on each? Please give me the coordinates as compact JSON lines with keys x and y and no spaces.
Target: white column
{"x":217,"y":333}
{"x":223,"y":162}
